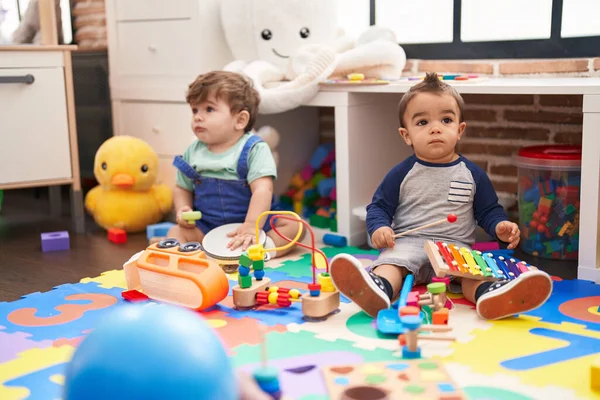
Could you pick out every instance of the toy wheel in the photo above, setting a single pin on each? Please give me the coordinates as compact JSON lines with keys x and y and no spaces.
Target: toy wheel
{"x":189,"y":247}
{"x":167,"y":243}
{"x":229,"y":268}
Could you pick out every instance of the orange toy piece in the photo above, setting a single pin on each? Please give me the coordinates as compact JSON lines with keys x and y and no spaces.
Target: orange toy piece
{"x":179,"y":274}
{"x":440,"y":317}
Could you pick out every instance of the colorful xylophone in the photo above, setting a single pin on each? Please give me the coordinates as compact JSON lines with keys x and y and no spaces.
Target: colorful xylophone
{"x":449,"y":259}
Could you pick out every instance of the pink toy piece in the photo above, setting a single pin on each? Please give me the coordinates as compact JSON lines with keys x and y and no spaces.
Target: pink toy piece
{"x":307,"y":173}
{"x":486,"y":246}
{"x":413,"y":299}
{"x":333,"y":194}
{"x":445,"y":279}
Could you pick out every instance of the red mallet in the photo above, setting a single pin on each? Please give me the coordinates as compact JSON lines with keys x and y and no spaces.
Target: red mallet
{"x":450,"y":218}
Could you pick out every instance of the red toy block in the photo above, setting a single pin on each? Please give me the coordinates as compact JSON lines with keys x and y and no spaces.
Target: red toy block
{"x":116,"y":235}
{"x":134,"y":296}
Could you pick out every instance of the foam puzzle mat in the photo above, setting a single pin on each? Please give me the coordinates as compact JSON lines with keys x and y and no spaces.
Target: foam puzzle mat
{"x":545,"y":354}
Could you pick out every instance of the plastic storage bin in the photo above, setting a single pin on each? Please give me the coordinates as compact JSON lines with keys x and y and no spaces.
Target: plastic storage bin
{"x":549,"y":187}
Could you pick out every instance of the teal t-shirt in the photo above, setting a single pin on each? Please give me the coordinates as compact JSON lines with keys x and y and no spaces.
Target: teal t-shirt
{"x":224,"y":165}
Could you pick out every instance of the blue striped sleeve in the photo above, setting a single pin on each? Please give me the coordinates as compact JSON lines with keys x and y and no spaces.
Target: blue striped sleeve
{"x":382,"y":209}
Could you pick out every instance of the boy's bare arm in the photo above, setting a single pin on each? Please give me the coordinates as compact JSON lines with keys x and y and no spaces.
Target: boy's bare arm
{"x":182,"y":198}
{"x":183,"y":201}
{"x":262,"y":194}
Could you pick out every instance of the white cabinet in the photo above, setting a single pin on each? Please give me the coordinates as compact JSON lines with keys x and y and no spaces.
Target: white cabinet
{"x":34,"y":125}
{"x":38,"y":137}
{"x":156,"y":49}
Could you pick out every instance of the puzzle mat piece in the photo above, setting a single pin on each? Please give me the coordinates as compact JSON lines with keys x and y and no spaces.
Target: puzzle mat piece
{"x":401,"y":379}
{"x":301,"y":376}
{"x":33,"y":367}
{"x":11,"y":344}
{"x":109,"y":279}
{"x":234,"y":332}
{"x":301,"y":267}
{"x":499,"y":386}
{"x":354,"y":326}
{"x":64,"y":312}
{"x":534,"y":351}
{"x":282,"y":347}
{"x":572,"y":301}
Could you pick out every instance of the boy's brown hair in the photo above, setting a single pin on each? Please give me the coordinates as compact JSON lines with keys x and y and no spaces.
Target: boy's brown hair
{"x":431,"y":84}
{"x":235,"y":89}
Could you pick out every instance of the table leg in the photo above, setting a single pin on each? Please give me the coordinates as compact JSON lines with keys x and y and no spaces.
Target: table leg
{"x":589,"y":222}
{"x":77,"y":212}
{"x":55,"y":201}
{"x":367,"y":146}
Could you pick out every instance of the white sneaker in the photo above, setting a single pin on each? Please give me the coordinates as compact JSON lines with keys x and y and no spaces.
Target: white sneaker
{"x":505,"y":298}
{"x":362,"y":287}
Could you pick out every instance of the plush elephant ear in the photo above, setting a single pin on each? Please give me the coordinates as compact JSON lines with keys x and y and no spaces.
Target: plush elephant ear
{"x":273,"y":30}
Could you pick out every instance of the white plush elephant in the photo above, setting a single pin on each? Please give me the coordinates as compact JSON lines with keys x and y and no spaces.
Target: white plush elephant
{"x":288,"y":46}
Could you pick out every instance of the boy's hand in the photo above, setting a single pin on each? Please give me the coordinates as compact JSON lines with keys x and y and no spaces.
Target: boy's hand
{"x":508,"y":232}
{"x":382,"y":238}
{"x":182,"y":222}
{"x":243,"y":236}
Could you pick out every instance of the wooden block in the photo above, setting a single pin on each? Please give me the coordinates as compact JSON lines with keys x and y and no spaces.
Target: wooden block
{"x":246,"y":298}
{"x":318,"y":307}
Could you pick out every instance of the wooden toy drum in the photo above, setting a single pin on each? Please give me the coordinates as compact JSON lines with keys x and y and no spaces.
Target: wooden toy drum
{"x":215,"y":246}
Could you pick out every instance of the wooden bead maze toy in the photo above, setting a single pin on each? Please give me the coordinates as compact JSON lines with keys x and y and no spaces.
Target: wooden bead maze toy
{"x":175,"y":273}
{"x":322,"y":298}
{"x":449,"y":259}
{"x":434,"y":310}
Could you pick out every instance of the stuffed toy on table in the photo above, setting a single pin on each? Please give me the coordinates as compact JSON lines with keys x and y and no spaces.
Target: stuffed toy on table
{"x":127,"y":196}
{"x":288,"y":47}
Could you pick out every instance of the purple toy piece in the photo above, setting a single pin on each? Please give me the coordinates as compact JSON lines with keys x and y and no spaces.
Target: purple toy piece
{"x":55,"y":241}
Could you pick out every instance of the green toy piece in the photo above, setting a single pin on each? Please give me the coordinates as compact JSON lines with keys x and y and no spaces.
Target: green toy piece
{"x":436,"y":288}
{"x":191,"y":216}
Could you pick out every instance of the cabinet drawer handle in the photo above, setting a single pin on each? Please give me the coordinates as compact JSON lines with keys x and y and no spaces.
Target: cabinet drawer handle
{"x":28,"y":79}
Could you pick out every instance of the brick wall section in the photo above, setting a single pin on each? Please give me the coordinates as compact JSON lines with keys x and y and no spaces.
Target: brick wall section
{"x":518,"y":121}
{"x":520,"y":67}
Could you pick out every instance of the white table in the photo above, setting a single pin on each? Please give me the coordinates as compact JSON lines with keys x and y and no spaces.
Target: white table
{"x":368,"y":145}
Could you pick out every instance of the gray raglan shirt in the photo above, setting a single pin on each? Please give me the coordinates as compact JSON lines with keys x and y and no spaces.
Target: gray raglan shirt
{"x":415,"y":193}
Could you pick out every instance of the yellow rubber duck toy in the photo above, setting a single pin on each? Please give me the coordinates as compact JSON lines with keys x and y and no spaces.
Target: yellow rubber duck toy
{"x":127,"y":196}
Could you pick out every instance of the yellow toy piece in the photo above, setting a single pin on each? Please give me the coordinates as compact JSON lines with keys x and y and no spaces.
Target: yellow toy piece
{"x":595,"y":374}
{"x":128,"y":197}
{"x":256,"y":252}
{"x":191,"y":216}
{"x":356,"y":77}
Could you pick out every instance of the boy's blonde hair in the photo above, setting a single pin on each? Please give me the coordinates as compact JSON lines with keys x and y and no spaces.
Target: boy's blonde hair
{"x":235,"y":89}
{"x":431,"y":84}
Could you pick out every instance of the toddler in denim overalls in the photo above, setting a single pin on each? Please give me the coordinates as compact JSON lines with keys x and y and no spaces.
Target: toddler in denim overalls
{"x":228,"y":172}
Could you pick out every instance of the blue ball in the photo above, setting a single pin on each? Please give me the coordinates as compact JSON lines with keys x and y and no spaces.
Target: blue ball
{"x":151,"y":352}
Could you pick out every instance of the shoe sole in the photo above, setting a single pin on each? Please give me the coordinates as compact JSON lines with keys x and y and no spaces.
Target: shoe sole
{"x":350,"y":279}
{"x":529,"y":292}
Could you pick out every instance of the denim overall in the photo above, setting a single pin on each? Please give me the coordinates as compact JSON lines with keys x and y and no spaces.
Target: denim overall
{"x":223,"y":201}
